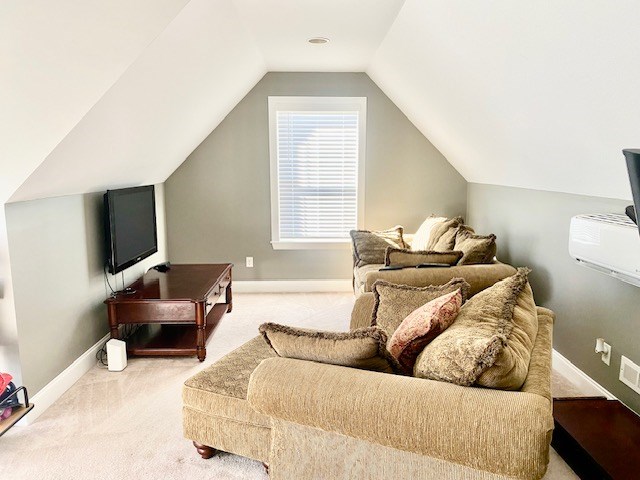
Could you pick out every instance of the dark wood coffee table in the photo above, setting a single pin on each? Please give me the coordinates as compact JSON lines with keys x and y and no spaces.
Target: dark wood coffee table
{"x":179,"y":309}
{"x":598,"y":438}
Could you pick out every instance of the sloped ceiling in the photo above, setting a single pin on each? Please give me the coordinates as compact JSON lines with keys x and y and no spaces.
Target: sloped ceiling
{"x":542,"y":95}
{"x":56,"y":60}
{"x":179,"y":89}
{"x":530,"y":94}
{"x":191,"y":76}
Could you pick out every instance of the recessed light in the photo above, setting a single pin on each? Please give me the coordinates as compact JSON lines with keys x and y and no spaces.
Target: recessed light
{"x":318,"y":40}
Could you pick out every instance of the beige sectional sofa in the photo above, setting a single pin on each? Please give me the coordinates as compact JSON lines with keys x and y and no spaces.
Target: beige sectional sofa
{"x":316,"y":421}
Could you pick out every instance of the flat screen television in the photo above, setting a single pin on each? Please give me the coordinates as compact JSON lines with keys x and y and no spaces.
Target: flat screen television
{"x":633,"y":166}
{"x":130,"y":224}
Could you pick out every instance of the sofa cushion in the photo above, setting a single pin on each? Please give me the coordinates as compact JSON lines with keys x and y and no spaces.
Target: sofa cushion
{"x":420,"y":239}
{"x":394,"y":302}
{"x":443,"y":235}
{"x":491,"y":340}
{"x":369,"y":247}
{"x":221,"y":389}
{"x":476,"y":248}
{"x":412,"y":258}
{"x":364,"y":348}
{"x":421,"y":326}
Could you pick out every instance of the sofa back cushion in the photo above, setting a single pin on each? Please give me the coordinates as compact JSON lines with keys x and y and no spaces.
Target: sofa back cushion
{"x":369,"y":246}
{"x":364,"y":348}
{"x":392,"y":302}
{"x":490,"y":342}
{"x":411,"y":258}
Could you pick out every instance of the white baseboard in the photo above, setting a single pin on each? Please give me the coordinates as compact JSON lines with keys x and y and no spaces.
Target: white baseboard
{"x":291,"y":286}
{"x":583,"y":382}
{"x":53,"y":390}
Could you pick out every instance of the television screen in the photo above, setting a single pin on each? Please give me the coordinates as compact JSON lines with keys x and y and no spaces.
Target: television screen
{"x":633,"y":166}
{"x":130,"y":226}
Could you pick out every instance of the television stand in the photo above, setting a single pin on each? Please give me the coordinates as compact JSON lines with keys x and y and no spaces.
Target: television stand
{"x":179,"y":309}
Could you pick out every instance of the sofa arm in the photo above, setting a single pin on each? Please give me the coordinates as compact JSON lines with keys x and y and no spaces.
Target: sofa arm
{"x":479,"y":276}
{"x":502,"y":432}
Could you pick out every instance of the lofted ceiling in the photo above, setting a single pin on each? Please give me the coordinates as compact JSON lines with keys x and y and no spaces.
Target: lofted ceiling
{"x":107,"y":94}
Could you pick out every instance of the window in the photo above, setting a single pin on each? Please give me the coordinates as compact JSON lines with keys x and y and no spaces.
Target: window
{"x":317,"y":149}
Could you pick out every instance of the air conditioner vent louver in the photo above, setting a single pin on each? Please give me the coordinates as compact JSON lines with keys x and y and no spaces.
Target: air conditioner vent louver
{"x":611,"y":218}
{"x":608,"y":243}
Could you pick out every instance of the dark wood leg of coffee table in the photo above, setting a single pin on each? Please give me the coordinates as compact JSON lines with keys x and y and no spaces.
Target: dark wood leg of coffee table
{"x":113,"y":322}
{"x":201,"y":336}
{"x":228,"y":296}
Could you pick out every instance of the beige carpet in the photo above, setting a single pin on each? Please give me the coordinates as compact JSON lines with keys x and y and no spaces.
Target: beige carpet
{"x":127,"y":425}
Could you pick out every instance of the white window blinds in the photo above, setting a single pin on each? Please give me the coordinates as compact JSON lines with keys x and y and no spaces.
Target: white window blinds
{"x":316,"y":146}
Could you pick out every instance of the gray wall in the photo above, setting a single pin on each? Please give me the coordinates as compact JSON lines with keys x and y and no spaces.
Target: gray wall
{"x":218,"y":200}
{"x":57,"y":257}
{"x":533,"y":230}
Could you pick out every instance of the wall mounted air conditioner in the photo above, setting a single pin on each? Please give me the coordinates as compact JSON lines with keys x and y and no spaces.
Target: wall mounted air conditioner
{"x":608,"y":243}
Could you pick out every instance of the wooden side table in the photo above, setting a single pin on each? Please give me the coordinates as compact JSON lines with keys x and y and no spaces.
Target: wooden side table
{"x":178,"y":308}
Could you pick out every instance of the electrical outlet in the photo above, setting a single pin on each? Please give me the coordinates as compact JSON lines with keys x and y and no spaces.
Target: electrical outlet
{"x":606,"y":355}
{"x":249,"y":262}
{"x":604,"y":349}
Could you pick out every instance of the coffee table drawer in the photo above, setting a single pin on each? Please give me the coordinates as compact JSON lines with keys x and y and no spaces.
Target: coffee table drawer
{"x":156,"y":312}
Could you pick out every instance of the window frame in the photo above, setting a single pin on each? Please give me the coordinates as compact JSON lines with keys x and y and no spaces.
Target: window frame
{"x":315,"y":103}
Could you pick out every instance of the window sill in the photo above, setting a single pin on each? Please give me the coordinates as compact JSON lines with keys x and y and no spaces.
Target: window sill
{"x":311,"y":245}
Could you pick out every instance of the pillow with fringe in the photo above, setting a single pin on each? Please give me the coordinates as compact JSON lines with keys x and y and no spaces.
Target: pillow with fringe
{"x":412,"y":258}
{"x":475,"y":248}
{"x":490,"y":342}
{"x":364,"y":348}
{"x":369,"y":246}
{"x":421,"y":326}
{"x":421,"y":237}
{"x":392,"y":303}
{"x":443,"y":235}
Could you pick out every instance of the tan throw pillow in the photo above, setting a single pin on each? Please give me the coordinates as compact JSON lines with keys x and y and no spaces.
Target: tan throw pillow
{"x":392,"y":303}
{"x":421,"y":326}
{"x":475,"y":248}
{"x":421,"y":237}
{"x":364,"y":348}
{"x":490,"y":342}
{"x":369,"y":247}
{"x":411,"y":258}
{"x":443,"y":235}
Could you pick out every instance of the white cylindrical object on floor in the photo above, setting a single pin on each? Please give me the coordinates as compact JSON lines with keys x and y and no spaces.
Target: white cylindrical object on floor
{"x":116,"y":355}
